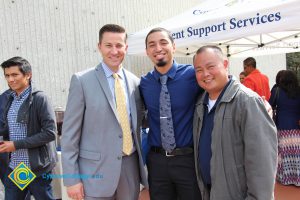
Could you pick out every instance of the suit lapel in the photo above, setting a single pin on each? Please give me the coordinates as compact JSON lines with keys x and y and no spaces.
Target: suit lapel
{"x":105,"y":87}
{"x":131,"y":98}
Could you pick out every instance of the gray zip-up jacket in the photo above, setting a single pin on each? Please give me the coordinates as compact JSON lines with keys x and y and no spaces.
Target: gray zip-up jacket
{"x":39,"y":116}
{"x":244,"y":147}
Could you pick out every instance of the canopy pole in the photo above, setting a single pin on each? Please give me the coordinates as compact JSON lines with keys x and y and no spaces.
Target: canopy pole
{"x":228,"y":53}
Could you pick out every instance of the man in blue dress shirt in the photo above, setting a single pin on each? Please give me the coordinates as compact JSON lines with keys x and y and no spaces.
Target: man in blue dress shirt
{"x":171,"y":173}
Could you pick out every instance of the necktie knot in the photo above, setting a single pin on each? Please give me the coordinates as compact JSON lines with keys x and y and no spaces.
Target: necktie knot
{"x":115,"y":75}
{"x":163,"y":79}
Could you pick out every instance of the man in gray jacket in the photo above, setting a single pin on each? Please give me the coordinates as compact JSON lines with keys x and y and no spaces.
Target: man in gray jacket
{"x":235,"y":140}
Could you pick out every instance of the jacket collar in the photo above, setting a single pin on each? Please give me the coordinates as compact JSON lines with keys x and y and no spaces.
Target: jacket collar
{"x":228,"y":95}
{"x":28,"y":101}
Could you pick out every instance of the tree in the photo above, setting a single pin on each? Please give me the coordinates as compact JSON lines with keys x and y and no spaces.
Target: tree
{"x":293,"y":63}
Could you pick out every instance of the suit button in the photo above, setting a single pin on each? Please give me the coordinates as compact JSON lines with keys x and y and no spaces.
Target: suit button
{"x":119,"y":157}
{"x":120,"y":136}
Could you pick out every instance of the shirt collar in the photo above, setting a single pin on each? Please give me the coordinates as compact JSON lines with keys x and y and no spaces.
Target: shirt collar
{"x":220,"y":96}
{"x":22,"y":94}
{"x":108,"y":72}
{"x":171,"y":73}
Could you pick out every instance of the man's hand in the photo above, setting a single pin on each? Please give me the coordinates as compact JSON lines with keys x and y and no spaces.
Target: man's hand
{"x":7,"y":146}
{"x":144,"y":195}
{"x":268,"y":106}
{"x":76,"y":191}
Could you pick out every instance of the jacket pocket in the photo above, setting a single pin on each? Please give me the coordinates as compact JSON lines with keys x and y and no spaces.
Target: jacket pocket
{"x":89,"y":155}
{"x":242,"y":179}
{"x":45,"y":154}
{"x":39,"y":158}
{"x":232,"y":183}
{"x":237,"y":182}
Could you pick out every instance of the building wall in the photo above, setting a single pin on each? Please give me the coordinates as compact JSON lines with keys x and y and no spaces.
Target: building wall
{"x":59,"y":37}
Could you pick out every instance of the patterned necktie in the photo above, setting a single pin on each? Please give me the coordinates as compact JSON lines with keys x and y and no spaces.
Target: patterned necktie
{"x":123,"y":116}
{"x":166,"y":122}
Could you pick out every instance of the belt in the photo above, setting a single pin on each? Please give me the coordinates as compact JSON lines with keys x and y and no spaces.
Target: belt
{"x":175,"y":152}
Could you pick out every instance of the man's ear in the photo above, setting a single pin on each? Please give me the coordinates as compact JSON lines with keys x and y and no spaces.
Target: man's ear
{"x":174,"y":47}
{"x":226,"y":63}
{"x":28,"y":76}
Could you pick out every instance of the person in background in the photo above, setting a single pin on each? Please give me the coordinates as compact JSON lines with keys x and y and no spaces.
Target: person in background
{"x":255,"y":80}
{"x":169,"y":93}
{"x":235,"y":139}
{"x":285,"y":98}
{"x":273,"y":89}
{"x":242,"y":76}
{"x":277,"y":79}
{"x":101,"y":127}
{"x":29,"y":131}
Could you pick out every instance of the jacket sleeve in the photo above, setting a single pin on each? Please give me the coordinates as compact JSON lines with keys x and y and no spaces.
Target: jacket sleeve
{"x":260,"y":140}
{"x":3,"y":127}
{"x":273,"y":97}
{"x":71,"y":130}
{"x":44,"y":114}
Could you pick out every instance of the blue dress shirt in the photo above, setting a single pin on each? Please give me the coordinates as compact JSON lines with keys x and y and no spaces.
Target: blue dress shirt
{"x":111,"y":82}
{"x":184,"y":90}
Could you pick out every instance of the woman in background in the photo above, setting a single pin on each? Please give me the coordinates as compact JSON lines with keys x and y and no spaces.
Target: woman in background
{"x":285,"y":97}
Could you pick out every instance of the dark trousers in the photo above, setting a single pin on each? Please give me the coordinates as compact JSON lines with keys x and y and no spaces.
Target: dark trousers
{"x":172,"y":178}
{"x":40,"y":188}
{"x":3,"y":166}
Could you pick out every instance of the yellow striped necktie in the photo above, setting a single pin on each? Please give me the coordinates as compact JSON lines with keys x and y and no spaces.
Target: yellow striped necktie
{"x":123,"y":116}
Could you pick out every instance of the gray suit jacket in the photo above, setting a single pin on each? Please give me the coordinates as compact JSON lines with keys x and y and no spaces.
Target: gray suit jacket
{"x":92,"y":136}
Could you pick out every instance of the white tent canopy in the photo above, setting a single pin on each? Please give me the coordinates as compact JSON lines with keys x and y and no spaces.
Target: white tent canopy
{"x":239,"y":27}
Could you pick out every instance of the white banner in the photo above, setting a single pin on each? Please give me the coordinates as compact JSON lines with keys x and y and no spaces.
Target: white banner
{"x":264,"y":26}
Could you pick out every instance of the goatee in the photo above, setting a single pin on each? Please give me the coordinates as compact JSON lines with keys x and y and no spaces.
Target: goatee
{"x":161,"y":63}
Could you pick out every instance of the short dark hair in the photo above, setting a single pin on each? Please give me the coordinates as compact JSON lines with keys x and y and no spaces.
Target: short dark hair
{"x":216,"y":49}
{"x":113,"y":28}
{"x":250,"y":61}
{"x":159,"y":29}
{"x":23,"y":64}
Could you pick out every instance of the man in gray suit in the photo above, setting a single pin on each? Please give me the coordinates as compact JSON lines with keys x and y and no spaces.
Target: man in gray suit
{"x":96,"y":165}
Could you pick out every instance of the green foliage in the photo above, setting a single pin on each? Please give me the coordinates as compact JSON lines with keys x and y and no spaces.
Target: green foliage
{"x":293,"y":63}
